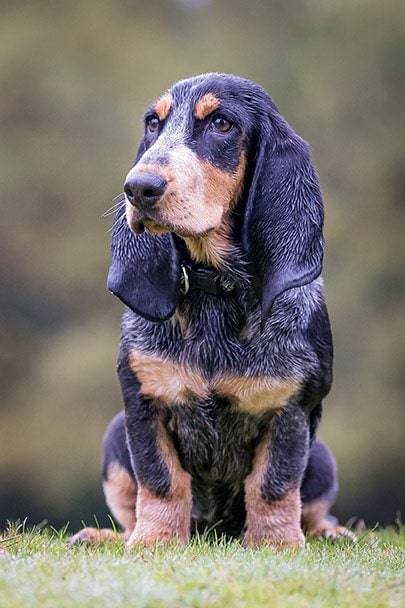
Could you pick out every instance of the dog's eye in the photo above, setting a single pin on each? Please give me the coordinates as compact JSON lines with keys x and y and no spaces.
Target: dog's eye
{"x":222,"y":124}
{"x":152,"y":124}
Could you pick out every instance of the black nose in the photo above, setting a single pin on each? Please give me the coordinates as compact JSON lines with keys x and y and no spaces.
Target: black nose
{"x":144,"y":189}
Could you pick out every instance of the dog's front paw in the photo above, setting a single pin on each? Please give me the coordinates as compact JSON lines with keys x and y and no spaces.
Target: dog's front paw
{"x":162,"y":520}
{"x":287,"y":538}
{"x":276,"y":522}
{"x":147,"y":536}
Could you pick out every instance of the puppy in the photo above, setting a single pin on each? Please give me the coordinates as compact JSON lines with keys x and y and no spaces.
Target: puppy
{"x":226,"y":349}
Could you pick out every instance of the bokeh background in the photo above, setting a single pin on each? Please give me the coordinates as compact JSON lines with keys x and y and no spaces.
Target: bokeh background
{"x":75,"y":77}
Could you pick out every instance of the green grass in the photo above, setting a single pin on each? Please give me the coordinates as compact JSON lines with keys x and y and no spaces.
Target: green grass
{"x":39,"y":569}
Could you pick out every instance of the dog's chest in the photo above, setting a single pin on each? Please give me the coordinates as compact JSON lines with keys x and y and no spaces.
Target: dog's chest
{"x":215,"y":443}
{"x":214,"y":354}
{"x":175,"y":383}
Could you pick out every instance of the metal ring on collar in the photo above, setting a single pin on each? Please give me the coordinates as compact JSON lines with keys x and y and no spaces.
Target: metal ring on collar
{"x":184,"y":280}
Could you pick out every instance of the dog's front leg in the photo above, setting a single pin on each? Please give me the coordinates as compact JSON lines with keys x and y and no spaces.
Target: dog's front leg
{"x":272,"y":489}
{"x":163,"y":507}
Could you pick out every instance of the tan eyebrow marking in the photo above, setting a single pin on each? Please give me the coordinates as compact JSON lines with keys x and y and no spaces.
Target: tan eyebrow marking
{"x":207,"y":104}
{"x":163,"y":106}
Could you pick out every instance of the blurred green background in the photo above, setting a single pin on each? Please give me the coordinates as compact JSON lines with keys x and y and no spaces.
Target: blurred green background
{"x":75,"y":78}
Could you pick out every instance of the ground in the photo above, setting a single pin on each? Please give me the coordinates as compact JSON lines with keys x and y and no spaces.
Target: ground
{"x":38,"y":568}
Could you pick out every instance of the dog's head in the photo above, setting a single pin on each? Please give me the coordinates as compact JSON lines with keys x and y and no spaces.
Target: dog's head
{"x":217,"y":164}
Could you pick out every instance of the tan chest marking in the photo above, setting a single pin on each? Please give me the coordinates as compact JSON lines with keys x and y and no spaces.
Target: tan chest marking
{"x":256,"y":394}
{"x":174,"y":384}
{"x":167,"y":381}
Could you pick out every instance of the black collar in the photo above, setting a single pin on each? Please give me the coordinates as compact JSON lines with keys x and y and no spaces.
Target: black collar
{"x":194,"y":277}
{"x":211,"y":281}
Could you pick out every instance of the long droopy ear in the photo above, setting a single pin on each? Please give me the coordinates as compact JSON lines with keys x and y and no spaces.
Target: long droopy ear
{"x":144,"y":272}
{"x":282,"y":234}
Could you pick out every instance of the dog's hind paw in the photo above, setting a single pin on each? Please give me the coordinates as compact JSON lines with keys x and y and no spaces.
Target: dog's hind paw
{"x":93,"y":536}
{"x":332,"y":531}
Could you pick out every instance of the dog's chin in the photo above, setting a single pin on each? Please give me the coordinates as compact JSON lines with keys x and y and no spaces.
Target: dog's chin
{"x":149,"y":226}
{"x":156,"y":228}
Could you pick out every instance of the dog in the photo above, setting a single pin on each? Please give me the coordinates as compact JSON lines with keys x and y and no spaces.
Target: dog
{"x":226,"y":347}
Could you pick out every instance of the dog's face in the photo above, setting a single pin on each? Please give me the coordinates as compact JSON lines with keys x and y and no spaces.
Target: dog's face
{"x":210,"y":141}
{"x":191,"y":161}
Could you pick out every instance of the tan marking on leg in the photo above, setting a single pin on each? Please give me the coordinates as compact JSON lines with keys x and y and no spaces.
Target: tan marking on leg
{"x":162,"y":520}
{"x":315,"y":522}
{"x":277,"y":522}
{"x":170,"y":382}
{"x":313,"y":514}
{"x":163,"y":106}
{"x":256,"y":394}
{"x":120,"y":495}
{"x":207,"y":104}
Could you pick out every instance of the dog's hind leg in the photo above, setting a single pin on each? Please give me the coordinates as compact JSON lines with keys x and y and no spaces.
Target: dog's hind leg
{"x":119,"y":486}
{"x":318,"y":492}
{"x":119,"y":483}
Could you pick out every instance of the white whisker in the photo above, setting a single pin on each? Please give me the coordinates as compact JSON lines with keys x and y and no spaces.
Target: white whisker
{"x":118,"y":224}
{"x":114,"y":208}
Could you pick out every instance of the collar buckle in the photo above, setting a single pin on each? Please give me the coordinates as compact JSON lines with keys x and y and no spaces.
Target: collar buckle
{"x":184,"y":280}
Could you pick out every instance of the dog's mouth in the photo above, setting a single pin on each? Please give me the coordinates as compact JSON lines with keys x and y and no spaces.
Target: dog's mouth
{"x":148,"y":224}
{"x":155,"y":228}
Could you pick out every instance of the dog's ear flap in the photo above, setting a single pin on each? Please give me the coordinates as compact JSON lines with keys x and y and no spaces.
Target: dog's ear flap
{"x":144,"y":272}
{"x":283,"y":222}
